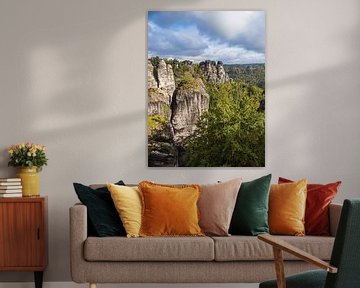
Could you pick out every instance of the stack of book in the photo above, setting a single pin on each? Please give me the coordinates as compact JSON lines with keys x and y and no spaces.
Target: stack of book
{"x":10,"y":187}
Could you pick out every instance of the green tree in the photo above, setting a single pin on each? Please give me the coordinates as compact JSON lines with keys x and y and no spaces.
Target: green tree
{"x":232,"y":132}
{"x":155,"y":61}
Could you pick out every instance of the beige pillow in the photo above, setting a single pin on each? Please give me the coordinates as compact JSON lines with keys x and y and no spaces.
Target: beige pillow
{"x":216,"y":205}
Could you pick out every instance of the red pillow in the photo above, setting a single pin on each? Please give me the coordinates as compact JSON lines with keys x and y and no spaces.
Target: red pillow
{"x":319,"y":197}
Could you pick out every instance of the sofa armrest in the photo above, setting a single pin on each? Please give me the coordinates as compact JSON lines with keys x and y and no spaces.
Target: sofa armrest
{"x":334,"y":216}
{"x":78,"y":235}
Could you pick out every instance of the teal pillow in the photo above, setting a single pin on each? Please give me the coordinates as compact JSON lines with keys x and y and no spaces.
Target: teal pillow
{"x":250,"y":216}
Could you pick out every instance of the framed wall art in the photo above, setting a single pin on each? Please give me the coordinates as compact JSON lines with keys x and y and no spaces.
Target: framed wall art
{"x":206,"y":88}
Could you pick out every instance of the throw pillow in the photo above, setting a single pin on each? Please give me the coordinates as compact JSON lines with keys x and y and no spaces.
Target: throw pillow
{"x":287,"y":204}
{"x":102,"y":215}
{"x":319,"y":197}
{"x":127,"y":201}
{"x":216,"y":206}
{"x":169,"y":210}
{"x":250,"y":215}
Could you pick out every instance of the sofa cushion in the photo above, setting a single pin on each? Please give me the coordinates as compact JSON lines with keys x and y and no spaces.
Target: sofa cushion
{"x":250,"y":215}
{"x":169,"y":210}
{"x":149,"y":249}
{"x":216,"y":206}
{"x":318,"y":199}
{"x":287,"y":204}
{"x":243,"y":248}
{"x":127,"y":201}
{"x":102,"y":216}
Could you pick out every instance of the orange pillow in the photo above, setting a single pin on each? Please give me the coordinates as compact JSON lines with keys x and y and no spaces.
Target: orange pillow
{"x":318,"y":200}
{"x":169,"y":210}
{"x":287,"y":204}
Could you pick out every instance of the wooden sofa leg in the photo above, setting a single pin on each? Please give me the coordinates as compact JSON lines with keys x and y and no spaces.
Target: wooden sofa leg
{"x":92,"y":285}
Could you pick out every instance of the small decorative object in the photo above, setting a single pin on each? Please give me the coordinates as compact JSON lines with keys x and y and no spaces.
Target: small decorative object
{"x":30,"y":158}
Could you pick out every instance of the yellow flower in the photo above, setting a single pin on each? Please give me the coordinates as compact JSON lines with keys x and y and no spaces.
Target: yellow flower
{"x":27,"y":152}
{"x":41,"y":147}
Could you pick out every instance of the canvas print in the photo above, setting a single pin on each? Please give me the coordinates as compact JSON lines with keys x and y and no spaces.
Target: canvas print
{"x":206,"y":88}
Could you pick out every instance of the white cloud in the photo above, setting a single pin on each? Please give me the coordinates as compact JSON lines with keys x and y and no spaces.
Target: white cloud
{"x":186,"y":41}
{"x":235,"y":37}
{"x":232,"y":54}
{"x":229,"y":24}
{"x":227,"y":54}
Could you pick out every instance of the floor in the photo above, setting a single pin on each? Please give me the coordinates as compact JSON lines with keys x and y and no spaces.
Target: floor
{"x":74,"y":285}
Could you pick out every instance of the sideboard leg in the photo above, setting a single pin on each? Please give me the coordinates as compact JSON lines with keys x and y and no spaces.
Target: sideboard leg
{"x":92,"y":285}
{"x":38,"y":279}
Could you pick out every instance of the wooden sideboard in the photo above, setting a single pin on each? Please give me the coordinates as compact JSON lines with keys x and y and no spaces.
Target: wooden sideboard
{"x":23,"y":235}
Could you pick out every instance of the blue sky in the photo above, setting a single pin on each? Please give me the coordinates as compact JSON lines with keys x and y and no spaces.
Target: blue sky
{"x":234,"y":37}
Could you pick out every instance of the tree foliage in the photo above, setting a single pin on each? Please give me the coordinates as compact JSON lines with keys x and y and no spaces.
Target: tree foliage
{"x":232,"y":132}
{"x":157,"y":122}
{"x":183,"y":68}
{"x":159,"y":131}
{"x":252,"y":74}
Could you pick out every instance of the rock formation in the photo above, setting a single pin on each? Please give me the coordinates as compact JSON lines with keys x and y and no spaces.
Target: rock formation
{"x":174,"y":110}
{"x":188,"y":104}
{"x":161,"y":86}
{"x":165,"y":78}
{"x":158,"y":102}
{"x":214,"y":72}
{"x":152,"y":83}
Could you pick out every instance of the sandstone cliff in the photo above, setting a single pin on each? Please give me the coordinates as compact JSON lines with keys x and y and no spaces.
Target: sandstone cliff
{"x":151,"y":82}
{"x":189,"y":103}
{"x":158,"y":102}
{"x":165,"y":77}
{"x":161,"y":86}
{"x":214,"y":72}
{"x":174,"y":109}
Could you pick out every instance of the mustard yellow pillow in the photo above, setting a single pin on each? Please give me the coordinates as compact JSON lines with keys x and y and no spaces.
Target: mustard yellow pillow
{"x":287,"y":204}
{"x":169,"y":210}
{"x":127,"y":201}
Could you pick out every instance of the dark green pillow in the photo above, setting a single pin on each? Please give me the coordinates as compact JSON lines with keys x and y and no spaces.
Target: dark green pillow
{"x":103,"y":218}
{"x":250,"y":216}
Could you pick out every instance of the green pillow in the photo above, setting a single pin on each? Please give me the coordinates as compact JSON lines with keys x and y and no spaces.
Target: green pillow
{"x":250,"y":216}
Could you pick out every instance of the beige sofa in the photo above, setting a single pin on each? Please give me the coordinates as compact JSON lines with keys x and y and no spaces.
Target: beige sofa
{"x":234,"y":259}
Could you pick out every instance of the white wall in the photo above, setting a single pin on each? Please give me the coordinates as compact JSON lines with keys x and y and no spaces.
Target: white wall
{"x":72,"y":76}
